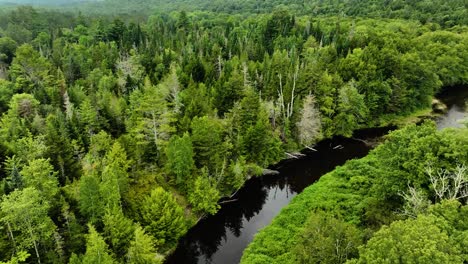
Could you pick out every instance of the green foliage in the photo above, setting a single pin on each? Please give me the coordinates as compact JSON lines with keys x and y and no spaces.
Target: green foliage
{"x":411,"y":241}
{"x":19,"y":258}
{"x":230,"y":92}
{"x":7,"y":50}
{"x":25,"y":213}
{"x":114,"y":176}
{"x":180,"y":161}
{"x":118,"y":230}
{"x":99,"y":107}
{"x":39,"y":174}
{"x":29,"y":70}
{"x":96,"y":249}
{"x":208,"y":142}
{"x":14,"y":180}
{"x":203,"y":195}
{"x":91,"y":203}
{"x":367,"y":194}
{"x":142,"y":249}
{"x":326,"y":240}
{"x":6,"y":92}
{"x":261,"y":145}
{"x":162,"y":217}
{"x":352,"y":110}
{"x":28,"y":148}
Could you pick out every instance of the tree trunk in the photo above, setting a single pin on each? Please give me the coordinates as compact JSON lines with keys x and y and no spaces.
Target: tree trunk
{"x":34,"y":242}
{"x":11,"y":235}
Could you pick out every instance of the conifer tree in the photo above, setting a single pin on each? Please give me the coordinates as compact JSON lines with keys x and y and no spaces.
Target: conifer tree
{"x":180,"y":161}
{"x":142,"y":249}
{"x":96,"y":249}
{"x":162,"y":216}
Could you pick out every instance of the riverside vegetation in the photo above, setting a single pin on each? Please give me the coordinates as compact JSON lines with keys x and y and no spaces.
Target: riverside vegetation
{"x":403,"y":203}
{"x":118,"y":132}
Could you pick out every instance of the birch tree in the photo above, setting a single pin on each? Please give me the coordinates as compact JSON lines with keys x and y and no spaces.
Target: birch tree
{"x":25,"y":214}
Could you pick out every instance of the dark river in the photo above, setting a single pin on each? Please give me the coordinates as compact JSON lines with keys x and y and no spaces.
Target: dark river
{"x":221,"y":239}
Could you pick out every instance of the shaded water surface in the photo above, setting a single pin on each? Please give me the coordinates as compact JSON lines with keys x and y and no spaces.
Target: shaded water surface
{"x":221,"y":239}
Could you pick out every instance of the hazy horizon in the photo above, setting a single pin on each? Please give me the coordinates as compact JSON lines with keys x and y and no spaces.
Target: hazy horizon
{"x":45,"y":2}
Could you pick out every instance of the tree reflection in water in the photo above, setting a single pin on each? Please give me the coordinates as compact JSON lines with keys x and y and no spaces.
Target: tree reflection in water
{"x":223,"y":237}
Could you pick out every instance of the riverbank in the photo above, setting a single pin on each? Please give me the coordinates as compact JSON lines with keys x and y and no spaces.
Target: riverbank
{"x":259,"y":200}
{"x":290,"y":221}
{"x":362,"y":195}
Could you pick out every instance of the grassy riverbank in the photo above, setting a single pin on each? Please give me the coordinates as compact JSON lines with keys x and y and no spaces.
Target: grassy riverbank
{"x":363,"y":195}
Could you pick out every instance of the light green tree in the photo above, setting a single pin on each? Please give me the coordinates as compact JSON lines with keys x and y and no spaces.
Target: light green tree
{"x":203,"y":195}
{"x":29,"y":148}
{"x":163,"y":217}
{"x":29,"y":70}
{"x":326,"y":239}
{"x":90,"y":199}
{"x":208,"y":142}
{"x":40,"y":174}
{"x":352,"y":110}
{"x":114,"y":183}
{"x":151,"y":118}
{"x":142,"y":249}
{"x":25,"y":213}
{"x":417,"y":240}
{"x":96,"y":249}
{"x":180,"y":161}
{"x":89,"y":117}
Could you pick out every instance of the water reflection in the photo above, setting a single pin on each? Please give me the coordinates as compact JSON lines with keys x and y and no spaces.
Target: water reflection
{"x":223,"y":237}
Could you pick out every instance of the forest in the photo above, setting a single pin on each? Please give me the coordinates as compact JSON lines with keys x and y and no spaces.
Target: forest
{"x":403,"y":203}
{"x":120,"y":129}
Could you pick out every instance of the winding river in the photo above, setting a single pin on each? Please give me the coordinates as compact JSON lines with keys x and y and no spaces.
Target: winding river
{"x":221,"y":238}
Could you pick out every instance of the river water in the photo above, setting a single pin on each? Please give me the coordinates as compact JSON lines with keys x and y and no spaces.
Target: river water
{"x":221,"y":238}
{"x":456,"y":99}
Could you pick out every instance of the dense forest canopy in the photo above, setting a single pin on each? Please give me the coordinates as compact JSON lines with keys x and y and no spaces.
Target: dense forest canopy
{"x":117,"y":133}
{"x":445,"y":13}
{"x":45,"y":2}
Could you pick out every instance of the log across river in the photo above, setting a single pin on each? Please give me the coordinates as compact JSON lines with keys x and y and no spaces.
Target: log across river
{"x":221,"y":238}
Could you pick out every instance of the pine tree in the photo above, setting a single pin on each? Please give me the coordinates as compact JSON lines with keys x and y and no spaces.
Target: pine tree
{"x":118,"y":230}
{"x":208,"y":142}
{"x":142,"y":249}
{"x":163,"y":217}
{"x":14,"y":178}
{"x":180,"y":161}
{"x":351,"y":110}
{"x":96,"y":249}
{"x":90,"y":200}
{"x":40,"y":174}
